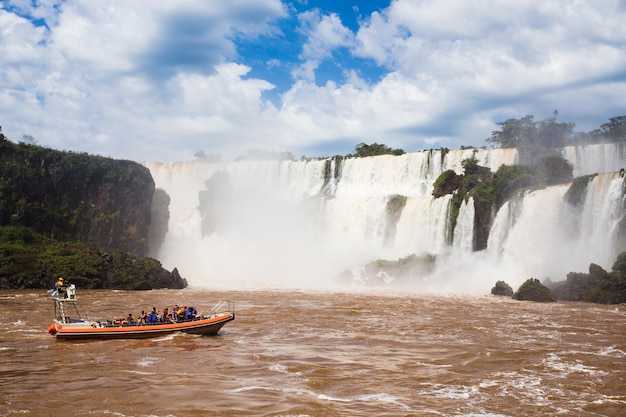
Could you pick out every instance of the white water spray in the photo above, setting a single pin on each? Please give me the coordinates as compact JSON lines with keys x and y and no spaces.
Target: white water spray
{"x":296,"y":224}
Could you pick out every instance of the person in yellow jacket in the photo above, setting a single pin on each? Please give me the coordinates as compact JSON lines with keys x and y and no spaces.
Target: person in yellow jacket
{"x":61,"y":287}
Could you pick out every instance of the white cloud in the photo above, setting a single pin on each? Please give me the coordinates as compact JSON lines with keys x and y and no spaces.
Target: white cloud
{"x":13,"y":27}
{"x":324,"y":34}
{"x":160,"y":80}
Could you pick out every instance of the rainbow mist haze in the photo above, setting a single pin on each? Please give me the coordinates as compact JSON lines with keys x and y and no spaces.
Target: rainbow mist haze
{"x":280,"y":224}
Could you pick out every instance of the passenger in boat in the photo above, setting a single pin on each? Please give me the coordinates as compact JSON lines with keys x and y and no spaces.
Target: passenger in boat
{"x":153,"y":317}
{"x":130,"y":319}
{"x":181,"y":313}
{"x":61,"y":288}
{"x":143,"y":317}
{"x":190,"y":313}
{"x":165,"y":317}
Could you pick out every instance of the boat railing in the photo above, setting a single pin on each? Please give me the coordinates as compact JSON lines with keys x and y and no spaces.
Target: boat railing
{"x":222,"y":306}
{"x":66,"y":304}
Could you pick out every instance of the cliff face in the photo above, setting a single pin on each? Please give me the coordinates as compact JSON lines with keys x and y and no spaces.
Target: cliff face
{"x":76,"y":197}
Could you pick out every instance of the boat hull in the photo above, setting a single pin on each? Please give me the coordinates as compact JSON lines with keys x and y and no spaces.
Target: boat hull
{"x":85,"y":331}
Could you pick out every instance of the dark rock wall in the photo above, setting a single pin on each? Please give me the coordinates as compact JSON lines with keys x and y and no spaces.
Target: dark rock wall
{"x":76,"y":197}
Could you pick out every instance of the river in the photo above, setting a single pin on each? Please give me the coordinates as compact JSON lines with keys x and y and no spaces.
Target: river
{"x":308,"y":353}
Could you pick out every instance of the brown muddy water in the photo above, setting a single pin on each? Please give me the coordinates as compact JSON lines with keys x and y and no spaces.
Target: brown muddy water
{"x":291,"y":353}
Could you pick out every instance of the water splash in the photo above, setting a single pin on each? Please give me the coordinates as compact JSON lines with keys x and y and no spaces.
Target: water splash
{"x":299,"y":224}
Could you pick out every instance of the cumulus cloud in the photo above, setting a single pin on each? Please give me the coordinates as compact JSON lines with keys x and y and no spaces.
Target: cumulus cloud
{"x":160,"y":80}
{"x":323,"y":33}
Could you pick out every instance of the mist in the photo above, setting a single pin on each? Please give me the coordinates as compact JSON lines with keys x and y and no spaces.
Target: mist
{"x":283,"y":224}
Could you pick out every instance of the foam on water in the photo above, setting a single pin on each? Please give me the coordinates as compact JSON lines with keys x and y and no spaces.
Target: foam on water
{"x":147,"y":361}
{"x":565,"y":368}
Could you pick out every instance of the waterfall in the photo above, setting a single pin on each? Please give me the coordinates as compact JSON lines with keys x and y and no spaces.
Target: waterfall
{"x":301,"y":223}
{"x":464,"y":231}
{"x":598,"y":158}
{"x":601,"y":215}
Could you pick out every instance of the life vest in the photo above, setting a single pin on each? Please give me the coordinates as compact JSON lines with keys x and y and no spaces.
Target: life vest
{"x":152,"y":317}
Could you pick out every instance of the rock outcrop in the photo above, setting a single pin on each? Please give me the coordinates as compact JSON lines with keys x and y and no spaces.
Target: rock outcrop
{"x":533,"y":290}
{"x":76,"y":197}
{"x":598,"y":286}
{"x":83,"y":217}
{"x":502,"y":288}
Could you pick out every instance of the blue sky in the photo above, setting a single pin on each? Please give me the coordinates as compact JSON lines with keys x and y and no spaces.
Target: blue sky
{"x":151,"y":80}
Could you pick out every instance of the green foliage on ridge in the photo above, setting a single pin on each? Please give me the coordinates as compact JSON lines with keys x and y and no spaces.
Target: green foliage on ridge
{"x":596,"y":286}
{"x":490,"y":191}
{"x":75,"y":197}
{"x":80,"y":216}
{"x":30,"y":260}
{"x":536,"y":138}
{"x":363,"y":150}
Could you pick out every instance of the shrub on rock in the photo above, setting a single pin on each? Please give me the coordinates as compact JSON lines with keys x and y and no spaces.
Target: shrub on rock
{"x":533,"y":290}
{"x":502,"y":288}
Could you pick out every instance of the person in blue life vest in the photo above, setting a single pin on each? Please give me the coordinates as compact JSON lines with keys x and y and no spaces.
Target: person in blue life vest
{"x":153,"y":317}
{"x":190,"y":313}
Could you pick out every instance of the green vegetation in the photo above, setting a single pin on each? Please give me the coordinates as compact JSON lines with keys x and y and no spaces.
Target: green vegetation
{"x":597,"y":286}
{"x":620,"y":263}
{"x":382,"y":271}
{"x":395,"y":205}
{"x":613,"y":131}
{"x":79,"y":216}
{"x":553,"y":169}
{"x":536,"y":138}
{"x":533,"y":290}
{"x":75,"y":197}
{"x":490,"y":191}
{"x":446,"y":183}
{"x":363,"y":150}
{"x":30,"y":260}
{"x":509,"y":180}
{"x":526,"y":133}
{"x":576,"y":192}
{"x":502,"y":288}
{"x":610,"y":289}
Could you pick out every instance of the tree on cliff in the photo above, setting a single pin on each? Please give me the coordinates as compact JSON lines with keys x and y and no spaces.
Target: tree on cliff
{"x":513,"y":133}
{"x":363,"y":150}
{"x":614,"y":130}
{"x":532,"y":138}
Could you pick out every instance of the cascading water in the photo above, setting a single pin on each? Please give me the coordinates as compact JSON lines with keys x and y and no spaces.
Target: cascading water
{"x":299,"y":224}
{"x":597,"y":158}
